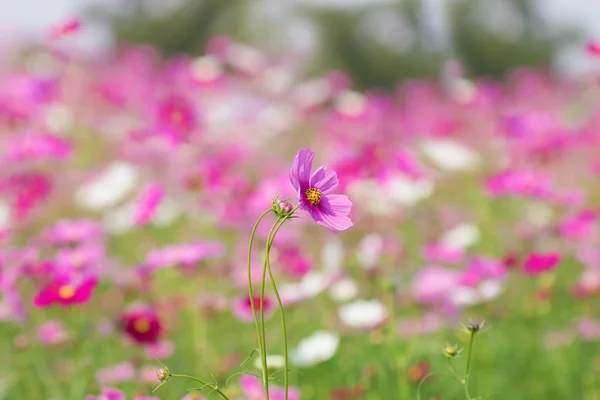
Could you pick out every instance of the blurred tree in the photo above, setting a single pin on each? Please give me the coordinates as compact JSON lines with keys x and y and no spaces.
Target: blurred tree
{"x":378,"y":45}
{"x":177,"y":27}
{"x":492,"y":37}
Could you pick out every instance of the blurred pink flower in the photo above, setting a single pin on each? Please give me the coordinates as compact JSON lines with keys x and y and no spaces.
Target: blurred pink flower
{"x":442,"y":253}
{"x":122,"y":372}
{"x":68,"y":232}
{"x":36,"y":147}
{"x":65,"y":28}
{"x":148,"y":203}
{"x":579,"y":226}
{"x":537,"y":263}
{"x":160,"y":350}
{"x":253,"y":389}
{"x":52,"y":332}
{"x":187,"y":255}
{"x":293,"y":261}
{"x":593,"y":47}
{"x":519,"y":182}
{"x":434,"y":284}
{"x":176,"y":117}
{"x":588,"y":329}
{"x":242,"y":308}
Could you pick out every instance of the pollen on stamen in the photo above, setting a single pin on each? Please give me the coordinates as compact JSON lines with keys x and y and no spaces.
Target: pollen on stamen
{"x":66,"y":292}
{"x":142,"y":325}
{"x":313,"y":195}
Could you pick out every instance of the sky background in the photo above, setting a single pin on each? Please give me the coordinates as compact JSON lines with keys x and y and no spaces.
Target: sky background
{"x":33,"y":17}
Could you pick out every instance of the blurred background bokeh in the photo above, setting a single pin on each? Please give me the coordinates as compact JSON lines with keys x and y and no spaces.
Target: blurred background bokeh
{"x":466,"y":132}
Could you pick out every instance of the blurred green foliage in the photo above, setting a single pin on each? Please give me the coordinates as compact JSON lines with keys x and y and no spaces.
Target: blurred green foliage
{"x":378,"y":44}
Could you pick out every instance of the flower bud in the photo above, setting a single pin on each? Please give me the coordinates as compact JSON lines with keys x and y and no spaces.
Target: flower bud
{"x":285,"y":207}
{"x":450,"y":351}
{"x":163,"y":374}
{"x":473,"y":327}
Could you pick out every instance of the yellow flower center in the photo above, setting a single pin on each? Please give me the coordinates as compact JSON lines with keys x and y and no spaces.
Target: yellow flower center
{"x":313,"y":195}
{"x":66,"y":292}
{"x":141,"y":325}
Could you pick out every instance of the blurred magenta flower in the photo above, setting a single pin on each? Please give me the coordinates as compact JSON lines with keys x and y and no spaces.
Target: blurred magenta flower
{"x":186,"y":255}
{"x":142,"y":324}
{"x":176,"y":117}
{"x":65,"y":291}
{"x":315,"y":193}
{"x":69,"y":232}
{"x":537,"y":263}
{"x":579,"y":226}
{"x":593,"y":47}
{"x":434,"y":284}
{"x":242,"y":308}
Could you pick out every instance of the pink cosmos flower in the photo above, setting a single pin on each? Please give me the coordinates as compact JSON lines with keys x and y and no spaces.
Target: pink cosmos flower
{"x":67,"y":27}
{"x":481,"y":268}
{"x":67,"y":232}
{"x":160,"y":350}
{"x":315,"y":193}
{"x":142,"y":324}
{"x":433,"y":284}
{"x":519,"y":182}
{"x":242,"y":308}
{"x":578,"y":226}
{"x":35,"y":147}
{"x":118,"y":373}
{"x":186,"y":255}
{"x":86,"y":258}
{"x":253,"y":389}
{"x":443,"y":253}
{"x":293,"y":261}
{"x":536,"y":263}
{"x":65,"y":291}
{"x":593,"y":48}
{"x":176,"y":117}
{"x":52,"y":332}
{"x":148,"y":203}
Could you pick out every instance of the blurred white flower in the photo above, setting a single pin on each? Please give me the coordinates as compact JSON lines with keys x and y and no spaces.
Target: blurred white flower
{"x":274,"y":361}
{"x":369,"y":250}
{"x":320,"y":346}
{"x":311,"y":93}
{"x":350,"y":103}
{"x":461,"y":236}
{"x":332,"y":254}
{"x":109,"y":188}
{"x":59,"y":118}
{"x":121,"y":219}
{"x":168,"y":211}
{"x":408,"y":192}
{"x":539,"y":214}
{"x":206,"y":68}
{"x":449,"y":155}
{"x":363,"y":314}
{"x":344,"y":290}
{"x":4,"y":215}
{"x":487,"y":290}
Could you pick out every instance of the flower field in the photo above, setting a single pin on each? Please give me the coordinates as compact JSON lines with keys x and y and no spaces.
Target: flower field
{"x":437,"y":242}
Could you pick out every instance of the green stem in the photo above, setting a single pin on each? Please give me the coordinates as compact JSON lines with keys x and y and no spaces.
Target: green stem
{"x":206,"y":384}
{"x":263,"y":354}
{"x":468,"y":367}
{"x":251,"y":296}
{"x":280,"y":303}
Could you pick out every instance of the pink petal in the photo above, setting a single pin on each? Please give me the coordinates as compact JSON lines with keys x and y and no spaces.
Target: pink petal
{"x":325,"y":179}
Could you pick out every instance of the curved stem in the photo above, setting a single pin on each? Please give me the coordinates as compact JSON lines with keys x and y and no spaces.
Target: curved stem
{"x":206,"y":384}
{"x":281,"y":309}
{"x":263,"y":353}
{"x":251,"y":297}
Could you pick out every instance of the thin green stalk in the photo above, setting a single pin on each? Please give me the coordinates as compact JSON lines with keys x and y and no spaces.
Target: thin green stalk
{"x":206,"y":384}
{"x":251,"y":295}
{"x":263,"y":353}
{"x":281,"y":309}
{"x":468,"y":366}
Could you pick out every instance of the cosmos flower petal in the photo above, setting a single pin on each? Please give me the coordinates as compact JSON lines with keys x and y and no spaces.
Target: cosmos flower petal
{"x":300,"y":172}
{"x":325,"y":179}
